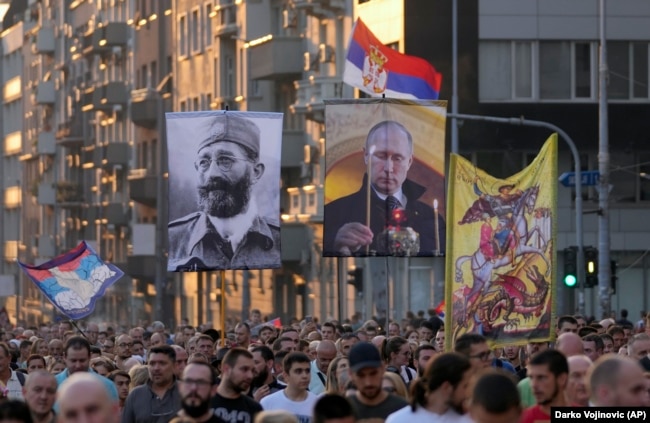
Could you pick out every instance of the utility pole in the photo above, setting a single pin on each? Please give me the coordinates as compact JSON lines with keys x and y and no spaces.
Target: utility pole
{"x":604,"y":271}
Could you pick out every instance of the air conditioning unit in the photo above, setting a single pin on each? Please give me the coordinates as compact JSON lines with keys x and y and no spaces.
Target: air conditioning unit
{"x":325,"y":53}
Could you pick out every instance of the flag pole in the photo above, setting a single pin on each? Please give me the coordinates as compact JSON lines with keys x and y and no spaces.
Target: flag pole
{"x":73,"y":323}
{"x":222,"y":277}
{"x":454,"y":76}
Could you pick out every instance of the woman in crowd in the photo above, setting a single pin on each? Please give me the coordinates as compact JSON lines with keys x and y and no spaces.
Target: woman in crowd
{"x":393,"y":384}
{"x":396,"y":352}
{"x":337,"y":376}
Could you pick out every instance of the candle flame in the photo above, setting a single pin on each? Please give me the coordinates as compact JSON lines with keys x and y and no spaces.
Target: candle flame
{"x":435,"y":204}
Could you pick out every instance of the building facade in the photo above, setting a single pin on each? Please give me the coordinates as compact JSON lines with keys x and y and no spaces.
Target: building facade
{"x":86,"y":84}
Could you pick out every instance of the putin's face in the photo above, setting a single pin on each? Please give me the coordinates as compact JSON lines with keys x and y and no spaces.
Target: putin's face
{"x":390,"y":156}
{"x":225,"y":177}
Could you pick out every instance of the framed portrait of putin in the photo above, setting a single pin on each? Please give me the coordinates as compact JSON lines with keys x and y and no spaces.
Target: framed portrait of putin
{"x":384,"y":178}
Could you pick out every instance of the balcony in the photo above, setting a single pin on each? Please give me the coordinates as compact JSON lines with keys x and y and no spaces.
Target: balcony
{"x":144,"y":108}
{"x":110,"y":96}
{"x":306,"y":203}
{"x":293,"y":146}
{"x":69,"y":194}
{"x":226,"y":18}
{"x":94,"y":42}
{"x":142,"y":187}
{"x":142,"y":267}
{"x":44,"y":41}
{"x":87,"y":103}
{"x":70,"y":134}
{"x":115,"y":34}
{"x":45,"y":93}
{"x":277,"y":58}
{"x":89,"y":158}
{"x":46,"y":194}
{"x":321,"y":8}
{"x":310,"y":94}
{"x":112,"y":154}
{"x":46,"y":144}
{"x":115,"y":214}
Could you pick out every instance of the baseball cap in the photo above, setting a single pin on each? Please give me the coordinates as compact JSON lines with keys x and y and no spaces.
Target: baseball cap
{"x":231,"y":127}
{"x":363,"y":355}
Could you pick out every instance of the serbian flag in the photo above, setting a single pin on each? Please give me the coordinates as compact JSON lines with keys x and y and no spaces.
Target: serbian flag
{"x":74,"y":281}
{"x":376,"y":69}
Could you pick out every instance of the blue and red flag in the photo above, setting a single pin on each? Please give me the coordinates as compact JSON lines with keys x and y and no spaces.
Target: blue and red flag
{"x":74,"y":281}
{"x":379,"y":70}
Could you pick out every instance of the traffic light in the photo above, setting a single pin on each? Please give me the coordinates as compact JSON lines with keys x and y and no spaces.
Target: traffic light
{"x":591,"y":267}
{"x":614,"y":278}
{"x":570,"y":267}
{"x":355,"y":277}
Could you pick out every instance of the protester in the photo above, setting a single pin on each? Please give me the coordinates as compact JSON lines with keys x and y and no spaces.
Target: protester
{"x":295,"y":398}
{"x":230,"y":403}
{"x":370,"y":401}
{"x":40,"y":393}
{"x":84,"y":397}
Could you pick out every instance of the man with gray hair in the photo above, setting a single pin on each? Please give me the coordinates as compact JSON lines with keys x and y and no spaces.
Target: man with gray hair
{"x":638,"y":347}
{"x":227,"y":231}
{"x":40,"y":392}
{"x":617,"y":381}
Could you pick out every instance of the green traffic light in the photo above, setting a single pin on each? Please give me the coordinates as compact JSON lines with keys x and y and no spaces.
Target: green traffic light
{"x":570,"y":281}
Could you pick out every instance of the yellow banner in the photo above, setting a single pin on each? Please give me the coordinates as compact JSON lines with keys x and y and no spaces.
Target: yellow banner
{"x":500,"y":275}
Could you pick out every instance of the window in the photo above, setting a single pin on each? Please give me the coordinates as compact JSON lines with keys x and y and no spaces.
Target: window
{"x":229,"y":77}
{"x":182,"y":36}
{"x":523,"y":65}
{"x":618,"y":60}
{"x":195,"y":104}
{"x":154,"y":73}
{"x":195,"y":40}
{"x":543,"y":70}
{"x":640,"y":70}
{"x":183,"y":106}
{"x":554,"y":70}
{"x":583,"y":67}
{"x":208,"y":24}
{"x":644,"y":176}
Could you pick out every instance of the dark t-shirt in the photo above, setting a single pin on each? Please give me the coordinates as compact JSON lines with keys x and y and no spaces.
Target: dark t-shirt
{"x":376,"y":413}
{"x":240,"y":410}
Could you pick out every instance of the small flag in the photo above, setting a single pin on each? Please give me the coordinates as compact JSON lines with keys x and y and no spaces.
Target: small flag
{"x":376,"y":69}
{"x":74,"y":281}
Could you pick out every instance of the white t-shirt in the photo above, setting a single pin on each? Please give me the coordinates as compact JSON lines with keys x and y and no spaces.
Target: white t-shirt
{"x":422,"y":415}
{"x":279,"y":401}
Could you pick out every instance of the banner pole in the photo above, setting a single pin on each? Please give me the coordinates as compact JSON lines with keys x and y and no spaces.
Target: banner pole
{"x":222,"y":277}
{"x":73,"y":323}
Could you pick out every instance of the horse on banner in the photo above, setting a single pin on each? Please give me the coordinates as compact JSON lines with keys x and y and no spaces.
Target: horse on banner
{"x":491,"y":255}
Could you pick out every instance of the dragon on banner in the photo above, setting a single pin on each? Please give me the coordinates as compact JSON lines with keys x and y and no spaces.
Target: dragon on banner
{"x":499,"y":279}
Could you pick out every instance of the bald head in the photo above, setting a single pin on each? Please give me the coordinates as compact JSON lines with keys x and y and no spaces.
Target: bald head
{"x":569,"y":344}
{"x":617,"y":381}
{"x":83,"y":397}
{"x":378,"y":340}
{"x":325,"y":353}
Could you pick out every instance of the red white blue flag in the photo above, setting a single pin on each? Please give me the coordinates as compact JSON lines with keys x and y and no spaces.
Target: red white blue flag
{"x":379,"y":70}
{"x":74,"y":281}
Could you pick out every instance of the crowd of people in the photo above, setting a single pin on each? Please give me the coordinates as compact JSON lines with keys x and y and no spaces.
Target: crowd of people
{"x":311,"y":372}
